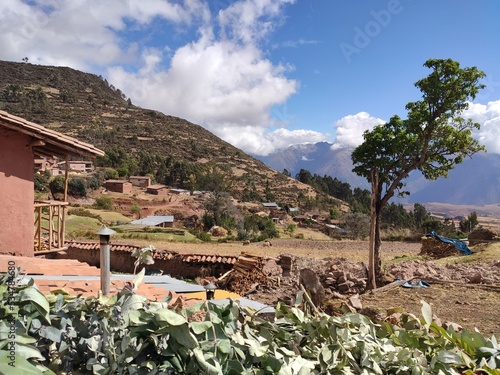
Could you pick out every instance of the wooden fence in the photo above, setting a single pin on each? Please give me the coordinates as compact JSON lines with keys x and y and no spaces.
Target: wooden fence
{"x":49,"y":226}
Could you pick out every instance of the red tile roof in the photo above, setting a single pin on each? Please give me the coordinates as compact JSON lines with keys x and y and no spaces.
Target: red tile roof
{"x":71,"y":267}
{"x":159,"y":254}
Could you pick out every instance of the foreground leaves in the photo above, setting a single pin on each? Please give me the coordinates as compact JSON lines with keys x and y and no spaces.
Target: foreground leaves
{"x":127,"y":334}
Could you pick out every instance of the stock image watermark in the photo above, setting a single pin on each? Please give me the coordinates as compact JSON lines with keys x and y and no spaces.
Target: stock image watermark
{"x":363,"y":36}
{"x":10,"y":306}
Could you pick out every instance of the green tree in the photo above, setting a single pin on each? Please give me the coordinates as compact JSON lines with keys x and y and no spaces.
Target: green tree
{"x":268,"y":193}
{"x":468,"y":225}
{"x":135,"y":209}
{"x":304,"y":176}
{"x":420,"y":214}
{"x":433,"y":139}
{"x":77,"y":186}
{"x":356,"y":224}
{"x":56,"y":186}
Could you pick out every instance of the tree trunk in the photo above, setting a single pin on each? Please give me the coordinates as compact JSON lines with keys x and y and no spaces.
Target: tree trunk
{"x":374,"y":262}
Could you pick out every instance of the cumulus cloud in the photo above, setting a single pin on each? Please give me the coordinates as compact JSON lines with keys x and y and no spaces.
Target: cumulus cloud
{"x":82,"y":35}
{"x":224,"y":82}
{"x":218,"y":75}
{"x":488,"y":116}
{"x":350,"y":129}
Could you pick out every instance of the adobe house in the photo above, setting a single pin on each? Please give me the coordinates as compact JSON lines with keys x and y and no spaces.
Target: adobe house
{"x":140,"y":181}
{"x":21,"y":142}
{"x":75,"y":166}
{"x":157,"y":190}
{"x":119,"y":186}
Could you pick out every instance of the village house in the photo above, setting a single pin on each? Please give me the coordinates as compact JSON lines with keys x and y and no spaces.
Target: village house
{"x":271,"y":206}
{"x":21,"y":142}
{"x":140,"y":181}
{"x":57,"y":168}
{"x":74,"y":166}
{"x":179,"y":191}
{"x":157,"y":190}
{"x":156,"y":221}
{"x":118,"y":186}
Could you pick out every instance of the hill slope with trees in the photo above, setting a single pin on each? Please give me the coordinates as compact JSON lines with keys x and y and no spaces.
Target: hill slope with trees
{"x":141,"y":141}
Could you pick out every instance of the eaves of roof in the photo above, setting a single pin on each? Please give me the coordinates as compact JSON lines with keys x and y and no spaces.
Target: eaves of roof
{"x":50,"y":143}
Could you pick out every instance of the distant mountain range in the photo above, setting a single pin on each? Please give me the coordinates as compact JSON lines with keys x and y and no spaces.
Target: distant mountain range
{"x":474,"y":182}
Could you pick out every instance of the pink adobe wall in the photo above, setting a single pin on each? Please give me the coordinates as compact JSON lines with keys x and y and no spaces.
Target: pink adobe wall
{"x":16,"y":194}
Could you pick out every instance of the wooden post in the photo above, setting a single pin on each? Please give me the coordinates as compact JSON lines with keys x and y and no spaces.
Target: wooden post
{"x":63,"y":208}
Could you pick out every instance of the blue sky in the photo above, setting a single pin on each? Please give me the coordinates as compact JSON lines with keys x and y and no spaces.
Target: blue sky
{"x":265,"y":74}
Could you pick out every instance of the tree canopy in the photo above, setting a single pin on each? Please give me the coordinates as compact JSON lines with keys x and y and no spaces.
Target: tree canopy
{"x":432,"y":139}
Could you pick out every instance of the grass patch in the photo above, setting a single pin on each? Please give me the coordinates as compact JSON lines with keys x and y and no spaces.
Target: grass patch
{"x":482,"y":253}
{"x":110,"y":216}
{"x":78,"y":227}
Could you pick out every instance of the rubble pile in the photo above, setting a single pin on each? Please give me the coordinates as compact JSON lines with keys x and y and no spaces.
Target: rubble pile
{"x":345,"y":277}
{"x":436,"y":249}
{"x":484,"y":273}
{"x":480,"y":235}
{"x":251,"y":272}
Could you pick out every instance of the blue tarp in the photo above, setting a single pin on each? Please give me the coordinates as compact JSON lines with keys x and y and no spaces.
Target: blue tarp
{"x":460,"y":245}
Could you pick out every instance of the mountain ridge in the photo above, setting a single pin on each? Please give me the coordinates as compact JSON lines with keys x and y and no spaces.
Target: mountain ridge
{"x":476,"y":181}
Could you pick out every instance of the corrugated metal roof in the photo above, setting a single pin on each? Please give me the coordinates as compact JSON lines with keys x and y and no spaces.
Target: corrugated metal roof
{"x":153,"y":220}
{"x":54,"y":143}
{"x":157,"y":187}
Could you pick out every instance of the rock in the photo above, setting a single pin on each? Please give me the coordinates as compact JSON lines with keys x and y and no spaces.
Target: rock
{"x":345,"y":287}
{"x":476,"y":279}
{"x":309,"y":279}
{"x":355,"y":302}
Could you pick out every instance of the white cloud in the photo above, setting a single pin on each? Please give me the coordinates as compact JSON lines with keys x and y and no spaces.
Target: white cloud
{"x":81,"y":34}
{"x":217,"y":75}
{"x":225,"y":84}
{"x":350,"y":129}
{"x":488,"y":116}
{"x":248,"y":21}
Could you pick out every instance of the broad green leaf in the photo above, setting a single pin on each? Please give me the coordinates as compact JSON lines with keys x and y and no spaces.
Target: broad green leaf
{"x":133,"y":302}
{"x":257,"y":350}
{"x":449,"y":358}
{"x":138,"y":278}
{"x":20,"y":366}
{"x":33,"y":295}
{"x":183,"y":336}
{"x":200,"y":327}
{"x":51,"y":333}
{"x":224,"y":346}
{"x":28,"y":352}
{"x":426,"y":313}
{"x":170,"y":317}
{"x":207,"y":368}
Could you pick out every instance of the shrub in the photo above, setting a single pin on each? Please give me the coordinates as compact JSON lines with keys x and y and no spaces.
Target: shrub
{"x":104,"y":202}
{"x":84,"y":213}
{"x":77,"y":186}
